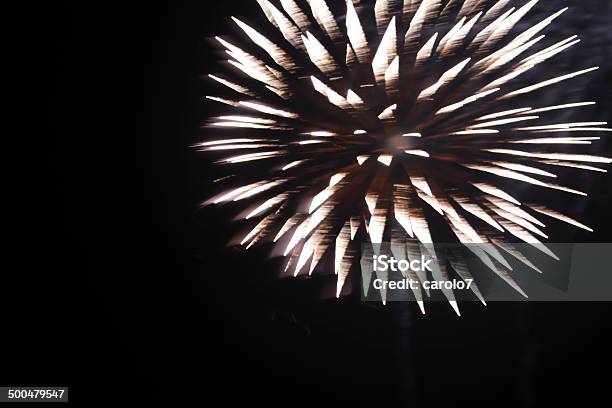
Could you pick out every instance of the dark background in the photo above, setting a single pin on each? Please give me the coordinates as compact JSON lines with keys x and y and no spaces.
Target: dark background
{"x":121,"y":288}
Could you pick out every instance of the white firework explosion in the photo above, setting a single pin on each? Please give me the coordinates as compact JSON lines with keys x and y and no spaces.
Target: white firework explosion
{"x":358,"y":125}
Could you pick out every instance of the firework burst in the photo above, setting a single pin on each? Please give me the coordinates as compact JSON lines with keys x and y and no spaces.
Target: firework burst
{"x":361,"y":126}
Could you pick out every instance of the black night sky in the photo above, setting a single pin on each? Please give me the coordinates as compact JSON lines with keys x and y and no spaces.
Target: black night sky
{"x":117,"y":250}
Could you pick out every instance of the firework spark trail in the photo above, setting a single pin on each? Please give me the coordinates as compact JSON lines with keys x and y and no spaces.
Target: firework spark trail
{"x":360,"y":130}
